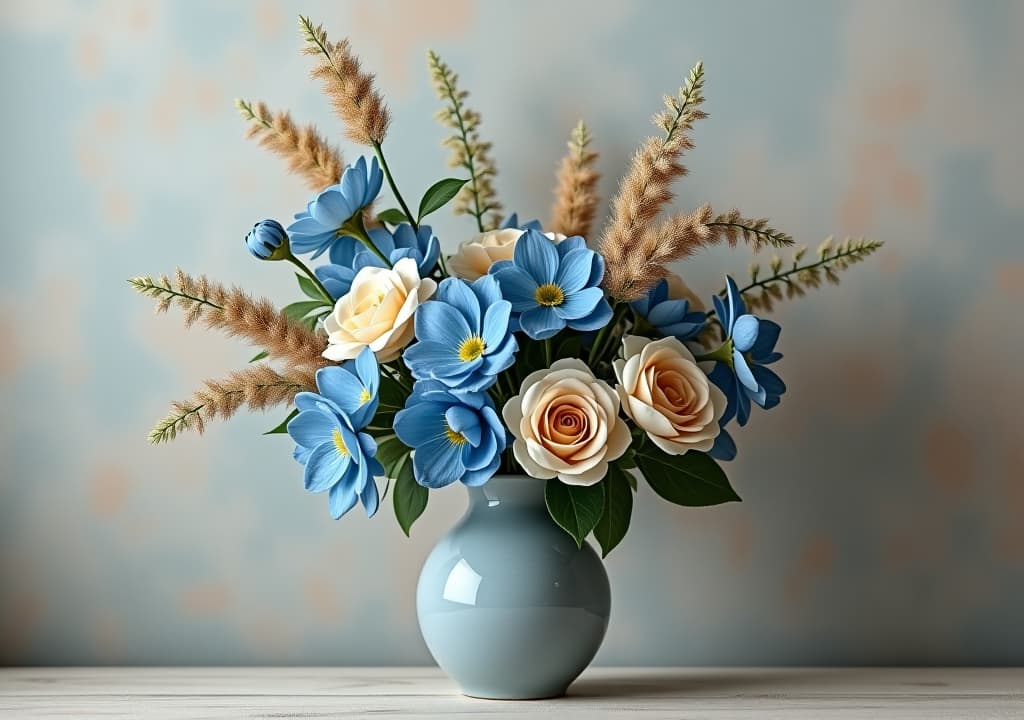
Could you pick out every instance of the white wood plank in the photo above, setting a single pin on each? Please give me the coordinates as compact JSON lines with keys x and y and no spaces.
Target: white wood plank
{"x":212,"y":693}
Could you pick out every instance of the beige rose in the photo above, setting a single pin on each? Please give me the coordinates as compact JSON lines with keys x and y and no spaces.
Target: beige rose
{"x":668,"y":395}
{"x":566,"y":424}
{"x":476,"y":255}
{"x":377,"y":312}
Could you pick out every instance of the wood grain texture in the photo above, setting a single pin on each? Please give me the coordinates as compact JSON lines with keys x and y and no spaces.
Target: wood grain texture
{"x":821,"y":694}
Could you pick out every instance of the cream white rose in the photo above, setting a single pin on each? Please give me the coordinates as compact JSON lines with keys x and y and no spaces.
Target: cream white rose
{"x":476,"y":255}
{"x":668,"y":395}
{"x":377,"y":312}
{"x":566,"y":424}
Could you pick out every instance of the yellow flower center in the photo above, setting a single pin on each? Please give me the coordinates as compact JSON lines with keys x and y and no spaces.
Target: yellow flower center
{"x":339,"y":443}
{"x":549,"y":295}
{"x":455,"y":438}
{"x":364,"y":397}
{"x":472,"y":348}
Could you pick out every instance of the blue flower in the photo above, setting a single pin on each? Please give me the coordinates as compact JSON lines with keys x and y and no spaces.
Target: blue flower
{"x":456,"y":436}
{"x":464,"y":336}
{"x":268,"y":241}
{"x":552,"y":286}
{"x":671,"y":318}
{"x":750,"y":345}
{"x":338,"y":457}
{"x":512,"y":221}
{"x":323,"y":222}
{"x":349,"y":256}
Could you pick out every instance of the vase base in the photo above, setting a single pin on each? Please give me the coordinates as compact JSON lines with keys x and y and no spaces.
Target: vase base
{"x":513,"y":696}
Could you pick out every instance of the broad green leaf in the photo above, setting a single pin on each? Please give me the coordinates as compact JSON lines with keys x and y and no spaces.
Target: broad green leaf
{"x":575,"y":508}
{"x":410,"y":498}
{"x":259,"y":356}
{"x":283,"y":427}
{"x":439,"y":194}
{"x":299,"y":310}
{"x":693,"y":479}
{"x":618,"y":508}
{"x":392,"y":216}
{"x":309,"y":288}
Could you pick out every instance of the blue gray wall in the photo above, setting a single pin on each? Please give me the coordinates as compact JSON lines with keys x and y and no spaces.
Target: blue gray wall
{"x":883,"y":519}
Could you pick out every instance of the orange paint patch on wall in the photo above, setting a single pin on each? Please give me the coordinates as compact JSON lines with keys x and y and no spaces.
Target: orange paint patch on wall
{"x":410,"y":26}
{"x":322,"y":599}
{"x":1010,"y":536}
{"x":109,"y":488}
{"x":107,"y":636}
{"x":118,"y":208}
{"x":205,"y":599}
{"x":947,"y":454}
{"x":88,"y":56}
{"x":815,"y":560}
{"x":1010,"y":279}
{"x":268,"y":19}
{"x":210,"y":99}
{"x":867,"y":384}
{"x":894,"y":104}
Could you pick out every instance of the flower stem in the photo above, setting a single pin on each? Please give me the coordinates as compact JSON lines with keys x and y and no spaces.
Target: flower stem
{"x":722,"y":354}
{"x":597,"y":349}
{"x":354,"y":227}
{"x":547,"y":352}
{"x":377,"y":148}
{"x":311,"y":275}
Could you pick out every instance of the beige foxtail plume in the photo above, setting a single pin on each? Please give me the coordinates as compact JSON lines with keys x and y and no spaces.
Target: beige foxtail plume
{"x":258,"y":387}
{"x":575,"y":199}
{"x":307,"y":153}
{"x":351,"y":90}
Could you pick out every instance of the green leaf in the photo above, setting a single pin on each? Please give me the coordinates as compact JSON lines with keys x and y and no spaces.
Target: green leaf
{"x":391,"y":452}
{"x":283,"y":427}
{"x":299,"y":310}
{"x":575,"y":508}
{"x":618,"y":508}
{"x":309,"y":288}
{"x":439,"y":194}
{"x":410,"y":498}
{"x":259,"y":356}
{"x":693,"y":479}
{"x":392,"y":216}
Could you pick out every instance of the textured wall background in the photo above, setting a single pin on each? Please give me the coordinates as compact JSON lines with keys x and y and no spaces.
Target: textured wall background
{"x":884,"y":513}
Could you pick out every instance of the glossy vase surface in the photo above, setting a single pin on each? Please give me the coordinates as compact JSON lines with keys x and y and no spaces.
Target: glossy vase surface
{"x":509,"y":607}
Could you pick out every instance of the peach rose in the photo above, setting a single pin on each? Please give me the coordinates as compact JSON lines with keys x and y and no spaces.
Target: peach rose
{"x":566,"y":424}
{"x":476,"y":255}
{"x":668,"y":395}
{"x":377,"y":312}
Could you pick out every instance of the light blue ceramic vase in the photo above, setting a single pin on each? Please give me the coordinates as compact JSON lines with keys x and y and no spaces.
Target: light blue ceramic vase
{"x":508,"y":605}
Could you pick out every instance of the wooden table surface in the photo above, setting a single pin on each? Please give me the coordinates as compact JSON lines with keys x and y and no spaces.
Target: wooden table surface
{"x":821,"y":694}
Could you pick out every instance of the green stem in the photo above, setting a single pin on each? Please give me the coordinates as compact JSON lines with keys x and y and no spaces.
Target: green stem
{"x":473,"y":187}
{"x":598,"y":348}
{"x":354,"y":227}
{"x":311,"y":275}
{"x":722,"y":354}
{"x":782,"y":277}
{"x":394,"y":188}
{"x":547,"y":352}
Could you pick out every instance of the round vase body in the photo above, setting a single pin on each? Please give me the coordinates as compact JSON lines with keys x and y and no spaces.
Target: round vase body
{"x":509,"y":607}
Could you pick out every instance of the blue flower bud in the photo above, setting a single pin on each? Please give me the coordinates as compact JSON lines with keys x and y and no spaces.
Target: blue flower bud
{"x":268,"y":241}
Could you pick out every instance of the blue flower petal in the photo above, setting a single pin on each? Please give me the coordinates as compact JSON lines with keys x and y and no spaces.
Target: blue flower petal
{"x":465,"y":422}
{"x":744,"y":332}
{"x":574,"y":271}
{"x":369,"y":498}
{"x":724,"y":447}
{"x":768,"y":380}
{"x":536,"y":255}
{"x":767,"y":336}
{"x":580,"y":304}
{"x":311,"y":428}
{"x":518,"y":287}
{"x":341,"y":499}
{"x":439,"y":322}
{"x":742,"y":371}
{"x":596,"y":320}
{"x":487,"y":290}
{"x":495,"y":324}
{"x":420,"y":423}
{"x":437,"y":463}
{"x":541,"y":323}
{"x":568,"y":245}
{"x":456,"y":294}
{"x":324,"y":467}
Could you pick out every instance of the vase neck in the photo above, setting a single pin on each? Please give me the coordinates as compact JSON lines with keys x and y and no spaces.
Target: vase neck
{"x":506,"y":491}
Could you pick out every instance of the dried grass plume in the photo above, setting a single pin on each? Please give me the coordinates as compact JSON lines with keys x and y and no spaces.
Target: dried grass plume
{"x":257,"y":388}
{"x":352,"y":93}
{"x":307,"y":153}
{"x":575,"y":197}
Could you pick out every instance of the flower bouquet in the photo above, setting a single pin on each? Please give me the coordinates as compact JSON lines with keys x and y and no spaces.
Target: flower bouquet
{"x":526,"y":354}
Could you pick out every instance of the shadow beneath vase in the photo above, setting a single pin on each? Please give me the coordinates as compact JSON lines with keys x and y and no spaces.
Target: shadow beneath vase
{"x":696,"y":682}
